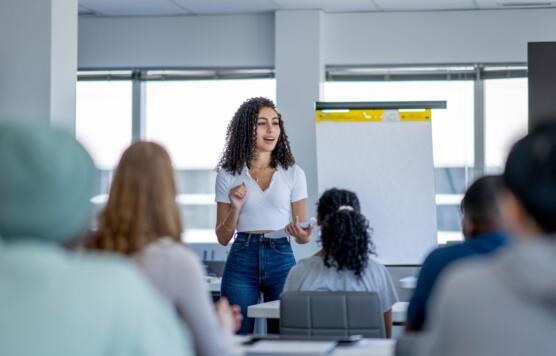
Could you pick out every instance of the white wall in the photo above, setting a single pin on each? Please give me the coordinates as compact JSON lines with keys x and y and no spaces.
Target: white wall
{"x":435,"y":37}
{"x":348,"y":39}
{"x":187,"y":41}
{"x":298,"y":83}
{"x":38,"y":62}
{"x":21,"y":75}
{"x":63,"y":54}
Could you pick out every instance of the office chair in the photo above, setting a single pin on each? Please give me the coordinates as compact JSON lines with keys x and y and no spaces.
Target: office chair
{"x":331,"y":314}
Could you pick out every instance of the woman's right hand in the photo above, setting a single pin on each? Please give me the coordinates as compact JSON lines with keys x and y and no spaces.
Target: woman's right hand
{"x":238,"y":195}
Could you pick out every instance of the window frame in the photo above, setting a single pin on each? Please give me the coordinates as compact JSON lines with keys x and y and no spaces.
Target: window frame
{"x":477,"y":72}
{"x":139,"y":79}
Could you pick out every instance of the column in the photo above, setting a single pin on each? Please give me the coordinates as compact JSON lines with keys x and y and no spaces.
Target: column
{"x":38,"y":61}
{"x":299,"y":77}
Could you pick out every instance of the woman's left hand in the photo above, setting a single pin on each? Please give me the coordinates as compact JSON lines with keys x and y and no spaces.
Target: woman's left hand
{"x":301,"y":235}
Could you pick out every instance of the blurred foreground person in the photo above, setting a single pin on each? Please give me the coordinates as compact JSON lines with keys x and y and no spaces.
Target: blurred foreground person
{"x":56,"y":302}
{"x":507,"y":305}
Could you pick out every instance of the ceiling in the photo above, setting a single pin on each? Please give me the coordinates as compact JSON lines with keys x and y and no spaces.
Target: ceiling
{"x":207,"y":7}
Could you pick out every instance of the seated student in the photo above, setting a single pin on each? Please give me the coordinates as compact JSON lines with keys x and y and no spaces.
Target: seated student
{"x":344,"y":262}
{"x":142,"y":220}
{"x":61,"y":303}
{"x":506,"y":305}
{"x":480,"y":225}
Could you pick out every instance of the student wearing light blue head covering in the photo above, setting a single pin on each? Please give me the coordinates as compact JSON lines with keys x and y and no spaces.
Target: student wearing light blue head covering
{"x":55,"y":302}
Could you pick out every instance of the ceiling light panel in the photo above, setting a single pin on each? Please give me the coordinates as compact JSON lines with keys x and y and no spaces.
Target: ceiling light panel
{"x":514,"y":4}
{"x":425,"y":5}
{"x":327,"y":5}
{"x":203,"y":7}
{"x":133,"y":7}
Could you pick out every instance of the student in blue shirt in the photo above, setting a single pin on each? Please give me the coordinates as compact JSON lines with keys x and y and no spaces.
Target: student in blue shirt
{"x":480,"y":225}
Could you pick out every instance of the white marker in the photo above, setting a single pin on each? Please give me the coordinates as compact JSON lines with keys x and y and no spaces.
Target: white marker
{"x":309,"y":223}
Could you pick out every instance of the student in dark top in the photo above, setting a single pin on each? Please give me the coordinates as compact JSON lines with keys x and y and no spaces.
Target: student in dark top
{"x":480,"y":225}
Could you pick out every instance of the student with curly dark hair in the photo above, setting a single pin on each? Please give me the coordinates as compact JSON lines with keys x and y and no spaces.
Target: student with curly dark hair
{"x":344,"y":263}
{"x":259,"y":191}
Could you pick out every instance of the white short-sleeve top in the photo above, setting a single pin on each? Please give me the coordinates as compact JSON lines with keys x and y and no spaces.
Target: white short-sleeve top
{"x":267,"y":210}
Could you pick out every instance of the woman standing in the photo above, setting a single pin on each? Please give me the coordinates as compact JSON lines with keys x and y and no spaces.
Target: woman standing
{"x":259,"y":190}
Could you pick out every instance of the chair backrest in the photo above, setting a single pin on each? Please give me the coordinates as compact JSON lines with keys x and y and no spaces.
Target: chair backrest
{"x":331,"y":314}
{"x":411,"y":344}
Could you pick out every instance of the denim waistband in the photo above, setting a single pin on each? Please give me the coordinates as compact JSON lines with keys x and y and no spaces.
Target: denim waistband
{"x":260,"y":237}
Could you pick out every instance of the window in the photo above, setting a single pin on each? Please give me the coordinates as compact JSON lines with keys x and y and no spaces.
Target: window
{"x":103,"y":126}
{"x":103,"y":120}
{"x":190,"y":117}
{"x":452,"y":129}
{"x":506,"y":112}
{"x":188,"y":112}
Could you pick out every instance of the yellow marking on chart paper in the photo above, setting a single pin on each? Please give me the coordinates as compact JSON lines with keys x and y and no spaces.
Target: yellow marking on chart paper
{"x":371,"y":115}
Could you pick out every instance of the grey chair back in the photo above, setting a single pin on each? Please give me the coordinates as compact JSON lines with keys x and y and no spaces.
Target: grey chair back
{"x":411,"y":344}
{"x":331,"y":314}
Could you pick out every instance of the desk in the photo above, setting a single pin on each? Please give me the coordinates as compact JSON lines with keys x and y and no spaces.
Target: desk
{"x":367,"y":347}
{"x":271,"y":310}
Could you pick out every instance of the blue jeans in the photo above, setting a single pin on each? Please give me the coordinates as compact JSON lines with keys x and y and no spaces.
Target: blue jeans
{"x":255,"y":265}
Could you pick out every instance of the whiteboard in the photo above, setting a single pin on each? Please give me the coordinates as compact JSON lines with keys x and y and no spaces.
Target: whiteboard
{"x":389,"y":165}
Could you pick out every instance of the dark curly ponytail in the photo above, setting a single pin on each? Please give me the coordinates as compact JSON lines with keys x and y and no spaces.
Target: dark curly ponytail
{"x":241,"y":137}
{"x":345,"y":233}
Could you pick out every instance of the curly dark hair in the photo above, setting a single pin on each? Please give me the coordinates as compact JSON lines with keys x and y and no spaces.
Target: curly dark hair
{"x":241,"y":137}
{"x":345,"y":234}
